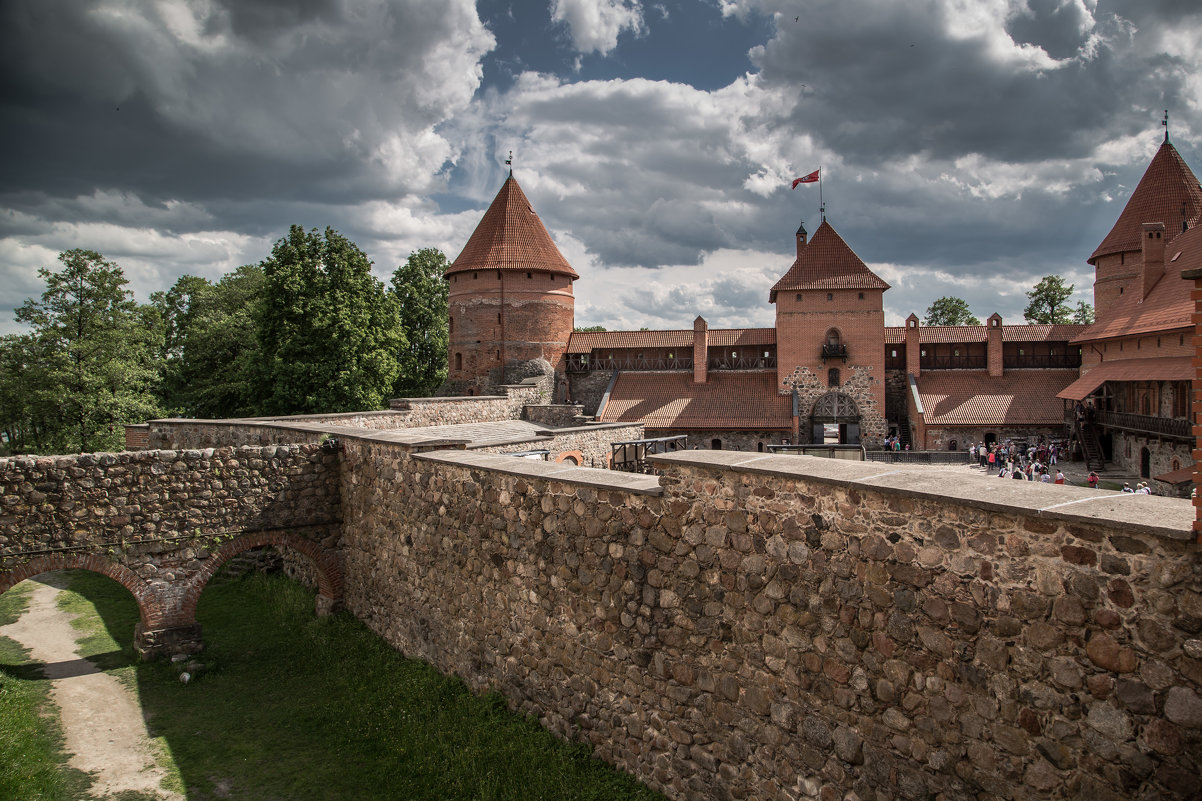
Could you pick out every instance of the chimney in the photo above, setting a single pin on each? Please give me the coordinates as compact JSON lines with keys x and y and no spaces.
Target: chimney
{"x":801,"y":237}
{"x":1153,"y":252}
{"x":993,"y":346}
{"x":913,"y":347}
{"x":701,"y":345}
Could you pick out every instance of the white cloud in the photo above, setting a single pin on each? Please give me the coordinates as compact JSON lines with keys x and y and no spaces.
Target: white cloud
{"x":595,"y":25}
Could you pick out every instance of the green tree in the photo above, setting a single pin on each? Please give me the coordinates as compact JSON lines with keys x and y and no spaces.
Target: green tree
{"x":211,"y":349}
{"x":950,"y":311}
{"x":23,"y":417}
{"x":589,"y":328}
{"x":420,"y":288}
{"x":328,"y":330}
{"x":90,"y":355}
{"x":1083,"y":314}
{"x":1049,"y":301}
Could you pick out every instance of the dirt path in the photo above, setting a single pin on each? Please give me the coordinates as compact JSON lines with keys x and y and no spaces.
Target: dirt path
{"x":101,"y":719}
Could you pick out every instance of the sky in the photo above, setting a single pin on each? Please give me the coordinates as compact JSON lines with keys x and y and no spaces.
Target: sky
{"x":967,"y":147}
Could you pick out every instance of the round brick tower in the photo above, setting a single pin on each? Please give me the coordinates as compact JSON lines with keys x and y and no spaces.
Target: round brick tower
{"x":510,"y":297}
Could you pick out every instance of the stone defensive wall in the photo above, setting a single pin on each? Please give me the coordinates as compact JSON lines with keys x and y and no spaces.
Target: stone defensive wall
{"x":162,"y":522}
{"x":777,"y":627}
{"x":472,"y":409}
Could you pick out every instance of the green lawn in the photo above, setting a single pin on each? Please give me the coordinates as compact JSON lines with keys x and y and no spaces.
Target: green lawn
{"x":294,"y":707}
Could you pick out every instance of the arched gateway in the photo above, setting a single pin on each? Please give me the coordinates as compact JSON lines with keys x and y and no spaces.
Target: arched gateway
{"x":836,"y":409}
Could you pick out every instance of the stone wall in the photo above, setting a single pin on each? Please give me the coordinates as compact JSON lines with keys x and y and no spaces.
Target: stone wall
{"x":161,"y":522}
{"x":590,"y":444}
{"x":858,"y":383}
{"x":588,"y":388}
{"x":556,"y":415}
{"x":790,"y":627}
{"x":939,"y":438}
{"x":474,"y":409}
{"x":730,"y":440}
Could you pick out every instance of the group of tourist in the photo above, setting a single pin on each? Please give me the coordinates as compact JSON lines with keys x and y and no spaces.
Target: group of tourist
{"x":1010,"y":459}
{"x":894,"y":443}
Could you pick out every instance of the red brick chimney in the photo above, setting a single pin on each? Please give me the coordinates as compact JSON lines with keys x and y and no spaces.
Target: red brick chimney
{"x":1153,"y":252}
{"x":913,"y":347}
{"x":701,"y":345}
{"x":993,"y":346}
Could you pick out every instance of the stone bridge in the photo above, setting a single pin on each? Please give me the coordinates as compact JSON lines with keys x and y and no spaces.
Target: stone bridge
{"x":162,"y":522}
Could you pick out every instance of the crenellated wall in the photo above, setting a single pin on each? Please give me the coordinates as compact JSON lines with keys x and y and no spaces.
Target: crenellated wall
{"x":786,"y":627}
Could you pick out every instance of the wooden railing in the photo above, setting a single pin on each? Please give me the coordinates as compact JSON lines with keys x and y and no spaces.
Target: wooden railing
{"x":583,"y":364}
{"x":1174,"y":427}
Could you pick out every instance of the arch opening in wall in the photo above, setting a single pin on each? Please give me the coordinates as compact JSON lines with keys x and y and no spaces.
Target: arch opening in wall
{"x":64,"y":570}
{"x":715,"y":444}
{"x":1145,"y":463}
{"x":835,"y":417}
{"x":574,"y":458}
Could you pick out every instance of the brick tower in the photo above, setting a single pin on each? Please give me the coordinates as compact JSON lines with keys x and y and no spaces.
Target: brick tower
{"x":1168,"y":194}
{"x":510,"y":299}
{"x":830,"y":326}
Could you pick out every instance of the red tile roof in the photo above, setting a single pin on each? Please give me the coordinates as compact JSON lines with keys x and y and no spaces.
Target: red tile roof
{"x":1167,"y":186}
{"x":1167,"y":307}
{"x":826,"y":262}
{"x":588,"y":341}
{"x":972,"y":398}
{"x":510,"y":236}
{"x":955,"y":334}
{"x":1173,"y":368}
{"x":725,"y":401}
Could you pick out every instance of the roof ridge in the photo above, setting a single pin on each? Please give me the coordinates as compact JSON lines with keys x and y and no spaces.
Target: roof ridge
{"x":826,"y":261}
{"x":510,"y":236}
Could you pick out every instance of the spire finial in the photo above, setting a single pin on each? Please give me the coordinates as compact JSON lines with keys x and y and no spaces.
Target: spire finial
{"x":1165,"y":122}
{"x":822,"y":208}
{"x":509,"y":163}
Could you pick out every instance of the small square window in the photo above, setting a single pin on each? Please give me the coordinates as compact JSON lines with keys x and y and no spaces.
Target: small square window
{"x":798,"y":298}
{"x":830,"y":295}
{"x":861,"y":296}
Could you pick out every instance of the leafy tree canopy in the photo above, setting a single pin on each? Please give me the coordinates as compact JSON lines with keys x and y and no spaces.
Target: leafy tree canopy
{"x":88,"y":365}
{"x":421,"y":290}
{"x":950,"y":311}
{"x":1049,"y":302}
{"x":329,"y":333}
{"x":588,"y":328}
{"x":210,"y":348}
{"x":1083,"y":314}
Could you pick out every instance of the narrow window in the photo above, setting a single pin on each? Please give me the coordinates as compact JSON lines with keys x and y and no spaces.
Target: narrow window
{"x":458,"y":361}
{"x":798,"y":298}
{"x":528,"y":275}
{"x":452,"y":325}
{"x":832,"y":377}
{"x":830,"y":295}
{"x":861,"y":296}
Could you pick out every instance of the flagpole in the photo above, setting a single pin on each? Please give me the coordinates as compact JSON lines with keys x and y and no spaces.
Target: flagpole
{"x":821,"y":205}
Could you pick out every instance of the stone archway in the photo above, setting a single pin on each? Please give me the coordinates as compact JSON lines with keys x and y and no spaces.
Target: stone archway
{"x":840,"y":409}
{"x":149,"y":607}
{"x":329,"y":570}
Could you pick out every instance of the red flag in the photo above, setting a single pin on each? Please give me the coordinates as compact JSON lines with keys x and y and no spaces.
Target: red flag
{"x":806,"y":179}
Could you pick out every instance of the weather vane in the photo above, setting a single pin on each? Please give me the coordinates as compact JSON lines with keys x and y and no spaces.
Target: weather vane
{"x":509,"y":162}
{"x":1165,"y":123}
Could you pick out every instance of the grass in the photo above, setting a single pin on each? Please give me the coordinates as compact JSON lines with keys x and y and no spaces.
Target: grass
{"x":289,"y":706}
{"x":32,"y":763}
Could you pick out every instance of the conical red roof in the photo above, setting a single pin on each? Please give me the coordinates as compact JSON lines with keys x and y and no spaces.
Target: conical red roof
{"x":510,"y":236}
{"x":1167,"y":185}
{"x":826,"y":262}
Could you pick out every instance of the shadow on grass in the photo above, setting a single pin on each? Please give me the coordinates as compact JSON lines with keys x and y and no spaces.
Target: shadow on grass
{"x":289,"y":706}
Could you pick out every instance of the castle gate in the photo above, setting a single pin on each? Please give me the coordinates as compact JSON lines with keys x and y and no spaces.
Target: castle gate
{"x":836,"y":409}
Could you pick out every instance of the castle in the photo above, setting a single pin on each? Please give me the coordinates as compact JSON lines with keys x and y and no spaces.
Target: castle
{"x":831,"y":364}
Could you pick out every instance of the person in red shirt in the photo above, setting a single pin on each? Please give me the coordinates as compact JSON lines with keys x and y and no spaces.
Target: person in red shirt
{"x":1093,"y":480}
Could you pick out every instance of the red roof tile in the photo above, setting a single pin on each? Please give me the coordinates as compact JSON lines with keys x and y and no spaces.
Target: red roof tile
{"x":826,"y":262}
{"x":588,"y":341}
{"x":1167,"y":185}
{"x":1173,"y":368}
{"x":725,"y":401}
{"x":1167,"y":307}
{"x":971,"y":397}
{"x":510,"y":236}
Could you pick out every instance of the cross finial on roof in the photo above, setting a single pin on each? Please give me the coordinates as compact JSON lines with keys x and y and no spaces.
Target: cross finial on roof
{"x":509,"y":163}
{"x":1165,"y":123}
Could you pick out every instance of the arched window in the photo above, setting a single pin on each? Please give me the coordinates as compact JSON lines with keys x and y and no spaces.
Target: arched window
{"x":833,"y":337}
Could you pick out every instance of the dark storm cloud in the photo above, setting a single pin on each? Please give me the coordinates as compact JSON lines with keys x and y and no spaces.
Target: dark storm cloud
{"x":266,"y":99}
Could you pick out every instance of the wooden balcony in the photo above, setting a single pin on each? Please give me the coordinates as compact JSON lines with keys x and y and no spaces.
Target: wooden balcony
{"x":1164,"y":427}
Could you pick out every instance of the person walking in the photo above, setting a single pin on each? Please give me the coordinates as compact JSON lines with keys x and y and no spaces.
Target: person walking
{"x":1092,"y":480}
{"x":1059,"y":476}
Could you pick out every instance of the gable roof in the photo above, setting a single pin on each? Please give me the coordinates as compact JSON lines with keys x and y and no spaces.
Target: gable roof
{"x":588,"y":341}
{"x":973,"y":398}
{"x":510,"y":236}
{"x":1172,"y":368}
{"x":1167,"y":186}
{"x":747,"y":401}
{"x":827,"y":262}
{"x":1167,"y":307}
